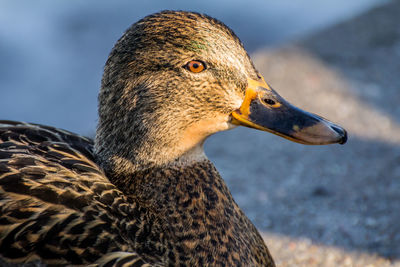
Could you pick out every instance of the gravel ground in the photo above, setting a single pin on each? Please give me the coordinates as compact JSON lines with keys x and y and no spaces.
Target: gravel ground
{"x":331,"y":205}
{"x":289,"y":252}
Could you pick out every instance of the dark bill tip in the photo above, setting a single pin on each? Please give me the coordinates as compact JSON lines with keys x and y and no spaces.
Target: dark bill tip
{"x":312,"y":129}
{"x":342,"y":132}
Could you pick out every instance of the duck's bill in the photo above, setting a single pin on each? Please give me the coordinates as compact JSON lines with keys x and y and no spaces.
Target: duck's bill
{"x":265,"y":110}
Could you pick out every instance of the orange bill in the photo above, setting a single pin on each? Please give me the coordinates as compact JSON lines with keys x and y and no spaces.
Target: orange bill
{"x":265,"y":110}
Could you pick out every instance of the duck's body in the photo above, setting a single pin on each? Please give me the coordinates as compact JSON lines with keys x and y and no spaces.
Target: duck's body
{"x":57,"y":205}
{"x":143,"y":193}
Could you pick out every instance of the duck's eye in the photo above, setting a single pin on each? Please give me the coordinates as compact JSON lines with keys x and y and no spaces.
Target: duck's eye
{"x":195,"y":66}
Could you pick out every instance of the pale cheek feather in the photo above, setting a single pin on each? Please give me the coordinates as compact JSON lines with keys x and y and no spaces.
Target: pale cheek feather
{"x":237,"y":102}
{"x":197,"y":132}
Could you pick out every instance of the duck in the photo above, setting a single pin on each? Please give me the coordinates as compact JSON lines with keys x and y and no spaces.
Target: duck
{"x":143,"y":192}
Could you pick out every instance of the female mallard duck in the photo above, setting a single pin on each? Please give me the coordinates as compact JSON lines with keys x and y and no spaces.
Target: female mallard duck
{"x":144,"y":193}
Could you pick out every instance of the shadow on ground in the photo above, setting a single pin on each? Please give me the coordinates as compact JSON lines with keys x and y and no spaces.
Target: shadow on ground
{"x":343,"y":196}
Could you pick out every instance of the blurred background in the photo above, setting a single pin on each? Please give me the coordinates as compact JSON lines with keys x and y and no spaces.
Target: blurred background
{"x":315,"y":206}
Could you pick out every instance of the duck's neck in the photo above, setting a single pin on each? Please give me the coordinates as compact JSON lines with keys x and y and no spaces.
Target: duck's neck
{"x":181,"y":184}
{"x":198,"y":214}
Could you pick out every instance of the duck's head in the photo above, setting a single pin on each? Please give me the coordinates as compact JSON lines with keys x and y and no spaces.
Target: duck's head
{"x":175,"y":78}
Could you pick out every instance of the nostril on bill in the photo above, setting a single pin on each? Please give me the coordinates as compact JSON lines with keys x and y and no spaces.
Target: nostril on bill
{"x":269,"y":101}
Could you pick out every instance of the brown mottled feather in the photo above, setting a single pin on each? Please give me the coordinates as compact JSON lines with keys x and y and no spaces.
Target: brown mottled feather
{"x":57,"y":206}
{"x":56,"y":203}
{"x":142,"y":194}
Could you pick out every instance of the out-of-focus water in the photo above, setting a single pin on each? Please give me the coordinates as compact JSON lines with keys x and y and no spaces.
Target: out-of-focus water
{"x":52,"y":52}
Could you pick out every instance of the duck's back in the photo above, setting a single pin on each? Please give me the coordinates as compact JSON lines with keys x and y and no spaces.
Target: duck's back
{"x":57,"y":206}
